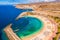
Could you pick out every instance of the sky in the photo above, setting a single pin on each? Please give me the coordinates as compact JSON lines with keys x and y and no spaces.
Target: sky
{"x":22,"y":1}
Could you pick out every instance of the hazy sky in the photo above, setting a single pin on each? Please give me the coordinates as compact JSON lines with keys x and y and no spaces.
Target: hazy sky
{"x":23,"y":1}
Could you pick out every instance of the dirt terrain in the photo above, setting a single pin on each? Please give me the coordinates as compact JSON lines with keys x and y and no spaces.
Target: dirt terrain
{"x":52,"y":8}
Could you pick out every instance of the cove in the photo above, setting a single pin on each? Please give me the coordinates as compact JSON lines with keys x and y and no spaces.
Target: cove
{"x":26,"y":26}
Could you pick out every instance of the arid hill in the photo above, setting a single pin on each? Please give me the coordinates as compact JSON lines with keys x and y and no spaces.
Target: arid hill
{"x":52,"y":7}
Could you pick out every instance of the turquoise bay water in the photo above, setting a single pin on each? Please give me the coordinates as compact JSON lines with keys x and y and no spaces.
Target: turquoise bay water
{"x":8,"y":15}
{"x":26,"y":26}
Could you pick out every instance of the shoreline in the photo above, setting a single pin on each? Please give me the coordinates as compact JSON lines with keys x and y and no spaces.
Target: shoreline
{"x":11,"y":35}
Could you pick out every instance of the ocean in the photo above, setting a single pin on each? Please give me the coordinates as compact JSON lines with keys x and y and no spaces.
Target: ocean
{"x":8,"y":14}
